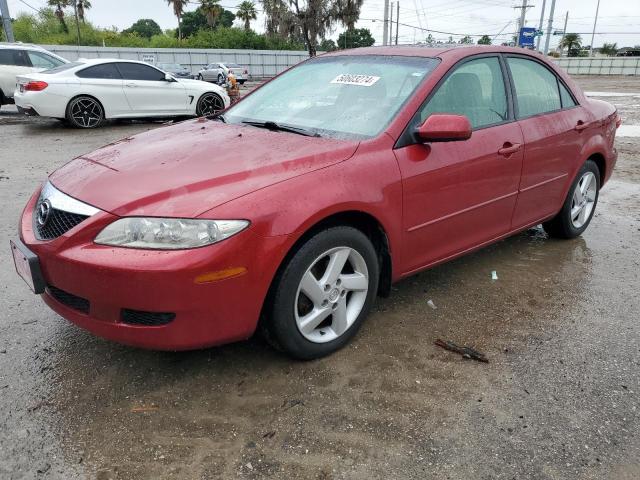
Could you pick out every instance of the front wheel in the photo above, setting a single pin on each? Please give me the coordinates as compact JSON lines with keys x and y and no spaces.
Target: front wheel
{"x":200,"y":77}
{"x":85,"y":112}
{"x":579,"y":206}
{"x":322,"y":296}
{"x":208,"y":104}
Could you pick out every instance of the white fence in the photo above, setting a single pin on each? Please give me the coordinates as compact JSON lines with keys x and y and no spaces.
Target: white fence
{"x":600,"y":65}
{"x":261,"y":63}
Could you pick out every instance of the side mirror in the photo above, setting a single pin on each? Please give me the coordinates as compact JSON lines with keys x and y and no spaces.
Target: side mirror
{"x":169,"y":78}
{"x":444,"y":127}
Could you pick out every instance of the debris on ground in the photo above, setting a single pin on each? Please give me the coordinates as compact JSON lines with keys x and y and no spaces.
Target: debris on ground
{"x":466,"y":352}
{"x":494,"y":275}
{"x":431,"y":304}
{"x":269,"y":434}
{"x":145,"y":408}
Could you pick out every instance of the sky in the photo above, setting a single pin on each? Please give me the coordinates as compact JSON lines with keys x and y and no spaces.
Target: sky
{"x":618,"y":20}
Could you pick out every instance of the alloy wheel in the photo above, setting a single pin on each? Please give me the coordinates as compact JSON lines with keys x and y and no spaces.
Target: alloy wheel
{"x":583,"y":200}
{"x":208,"y":104}
{"x":331,"y":294}
{"x":86,"y":112}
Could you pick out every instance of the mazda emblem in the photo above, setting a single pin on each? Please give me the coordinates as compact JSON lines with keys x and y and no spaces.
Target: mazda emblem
{"x":44,"y":211}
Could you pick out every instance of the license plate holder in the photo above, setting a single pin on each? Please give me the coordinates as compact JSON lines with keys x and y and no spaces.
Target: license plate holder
{"x":27,"y":266}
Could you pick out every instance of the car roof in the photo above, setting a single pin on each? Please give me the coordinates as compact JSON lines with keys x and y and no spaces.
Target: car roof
{"x":21,"y":46}
{"x":96,"y":61}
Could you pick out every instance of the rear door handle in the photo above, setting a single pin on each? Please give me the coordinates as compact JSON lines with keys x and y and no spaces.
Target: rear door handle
{"x":581,"y":126}
{"x":130,"y":85}
{"x":509,"y":148}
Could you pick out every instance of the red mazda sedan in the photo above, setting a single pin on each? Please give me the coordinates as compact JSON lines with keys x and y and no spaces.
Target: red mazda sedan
{"x":294,"y":208}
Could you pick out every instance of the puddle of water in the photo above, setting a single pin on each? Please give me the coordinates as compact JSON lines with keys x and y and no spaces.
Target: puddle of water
{"x":612,"y":94}
{"x":628,"y":131}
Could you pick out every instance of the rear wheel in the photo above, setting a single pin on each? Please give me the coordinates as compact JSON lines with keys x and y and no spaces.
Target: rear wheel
{"x":85,"y":112}
{"x":323,"y":294}
{"x":208,"y":104}
{"x":579,"y":206}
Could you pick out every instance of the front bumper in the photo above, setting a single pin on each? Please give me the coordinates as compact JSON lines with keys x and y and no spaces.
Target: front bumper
{"x":207,"y":312}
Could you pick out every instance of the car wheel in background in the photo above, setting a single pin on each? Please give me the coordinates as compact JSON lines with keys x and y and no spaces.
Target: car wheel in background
{"x":85,"y":112}
{"x":579,"y":206}
{"x":323,"y":294}
{"x":200,"y":77}
{"x":208,"y":104}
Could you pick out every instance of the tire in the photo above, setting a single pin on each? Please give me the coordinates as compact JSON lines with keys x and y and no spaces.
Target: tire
{"x":85,"y":112}
{"x":579,"y":206}
{"x":200,"y":77}
{"x":208,"y":104}
{"x":308,"y":320}
{"x":220,"y":79}
{"x":241,"y":82}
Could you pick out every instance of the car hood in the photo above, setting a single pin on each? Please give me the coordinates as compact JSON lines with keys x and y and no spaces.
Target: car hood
{"x":192,"y":167}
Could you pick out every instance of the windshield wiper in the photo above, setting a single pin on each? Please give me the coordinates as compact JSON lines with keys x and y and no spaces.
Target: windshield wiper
{"x":270,"y":125}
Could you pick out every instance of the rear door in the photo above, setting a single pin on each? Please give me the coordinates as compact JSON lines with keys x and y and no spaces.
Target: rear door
{"x":459,"y":195}
{"x":149,"y":94}
{"x":13,"y":62}
{"x":104,"y":82}
{"x":553,"y":126}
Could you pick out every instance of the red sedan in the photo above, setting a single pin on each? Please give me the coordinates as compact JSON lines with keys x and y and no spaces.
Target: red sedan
{"x":294,"y":208}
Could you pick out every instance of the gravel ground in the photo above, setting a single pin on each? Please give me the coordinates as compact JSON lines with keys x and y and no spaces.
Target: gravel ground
{"x":558,"y":400}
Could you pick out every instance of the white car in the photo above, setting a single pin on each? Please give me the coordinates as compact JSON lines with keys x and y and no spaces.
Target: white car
{"x":86,"y":92}
{"x":20,"y":59}
{"x":218,"y":72}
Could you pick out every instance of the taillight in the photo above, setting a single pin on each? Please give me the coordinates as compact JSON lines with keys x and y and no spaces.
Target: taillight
{"x":35,"y":86}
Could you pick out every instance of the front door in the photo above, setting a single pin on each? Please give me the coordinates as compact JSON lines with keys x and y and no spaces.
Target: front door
{"x":459,"y":195}
{"x":148,"y":93}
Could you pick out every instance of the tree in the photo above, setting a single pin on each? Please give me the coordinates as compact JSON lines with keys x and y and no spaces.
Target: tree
{"x":350,"y":11}
{"x":145,"y":27}
{"x":83,"y":6}
{"x":211,"y":9}
{"x":430,"y":40}
{"x":466,"y":40}
{"x":60,"y":6}
{"x":484,"y":40}
{"x":194,"y":21}
{"x":358,"y":37}
{"x":247,"y":12}
{"x":609,"y":49}
{"x":327,"y":45}
{"x":572,"y":42}
{"x":178,"y":9}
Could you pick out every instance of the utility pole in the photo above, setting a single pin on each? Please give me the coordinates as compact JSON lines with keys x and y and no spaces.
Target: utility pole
{"x":594,"y":29}
{"x":397,"y":20}
{"x":75,"y":11}
{"x":6,"y":21}
{"x":391,"y":25}
{"x":544,"y":4}
{"x":523,"y":14}
{"x":564,"y":30}
{"x":549,"y":27}
{"x":385,"y":26}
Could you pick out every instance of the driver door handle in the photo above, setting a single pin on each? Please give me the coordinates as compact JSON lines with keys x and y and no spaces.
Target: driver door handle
{"x":509,"y":148}
{"x":581,"y":126}
{"x":130,"y":85}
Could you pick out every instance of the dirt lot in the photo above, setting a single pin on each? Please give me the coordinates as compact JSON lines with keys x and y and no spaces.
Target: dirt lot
{"x":558,"y":400}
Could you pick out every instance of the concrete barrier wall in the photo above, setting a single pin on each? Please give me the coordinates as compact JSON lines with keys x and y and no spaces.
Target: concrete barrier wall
{"x":261,"y":63}
{"x":600,"y":65}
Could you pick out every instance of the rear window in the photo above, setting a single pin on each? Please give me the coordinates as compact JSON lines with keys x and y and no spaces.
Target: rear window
{"x":104,"y":71}
{"x":63,"y":67}
{"x":232,"y":65}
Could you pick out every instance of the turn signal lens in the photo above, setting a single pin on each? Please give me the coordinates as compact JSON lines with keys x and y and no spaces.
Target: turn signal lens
{"x":35,"y":86}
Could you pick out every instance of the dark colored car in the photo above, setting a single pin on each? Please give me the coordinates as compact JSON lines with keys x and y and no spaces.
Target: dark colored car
{"x":175,"y":69}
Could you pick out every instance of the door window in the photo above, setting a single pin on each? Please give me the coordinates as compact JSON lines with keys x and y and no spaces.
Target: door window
{"x":106,"y":71}
{"x":136,"y":71}
{"x":42,"y":60}
{"x":536,"y":87}
{"x":474,"y":89}
{"x":16,"y":58}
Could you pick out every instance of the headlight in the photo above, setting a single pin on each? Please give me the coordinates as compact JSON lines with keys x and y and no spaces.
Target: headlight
{"x":168,"y":233}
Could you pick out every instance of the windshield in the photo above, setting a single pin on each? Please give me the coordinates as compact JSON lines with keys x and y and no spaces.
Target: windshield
{"x":340,"y":97}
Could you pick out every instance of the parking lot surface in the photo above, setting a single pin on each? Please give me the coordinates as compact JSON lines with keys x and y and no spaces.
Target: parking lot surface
{"x":559,"y":398}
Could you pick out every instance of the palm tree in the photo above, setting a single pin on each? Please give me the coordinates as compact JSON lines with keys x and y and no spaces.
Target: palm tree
{"x":349,"y":12}
{"x":609,"y":49}
{"x":60,"y":5}
{"x":82,"y":6}
{"x":247,"y":12}
{"x":212,"y":10}
{"x":178,"y":8}
{"x":572,"y":42}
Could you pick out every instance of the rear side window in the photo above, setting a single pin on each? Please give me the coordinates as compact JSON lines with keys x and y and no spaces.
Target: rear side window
{"x":106,"y":71}
{"x":136,"y":71}
{"x":42,"y":60}
{"x":536,"y":87}
{"x":565,"y":97}
{"x":16,"y":58}
{"x":474,"y":89}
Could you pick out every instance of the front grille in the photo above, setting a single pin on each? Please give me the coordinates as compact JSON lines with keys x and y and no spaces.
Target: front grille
{"x":148,"y":319}
{"x":57,"y":223}
{"x":72,"y":301}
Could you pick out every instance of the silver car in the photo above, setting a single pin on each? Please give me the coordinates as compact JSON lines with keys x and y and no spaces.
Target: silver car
{"x":217,"y":72}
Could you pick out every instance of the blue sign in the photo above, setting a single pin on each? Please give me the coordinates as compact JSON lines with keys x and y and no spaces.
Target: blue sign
{"x":527,"y":35}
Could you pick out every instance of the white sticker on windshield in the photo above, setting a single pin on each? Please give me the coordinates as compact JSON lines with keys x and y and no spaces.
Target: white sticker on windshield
{"x":350,"y":79}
